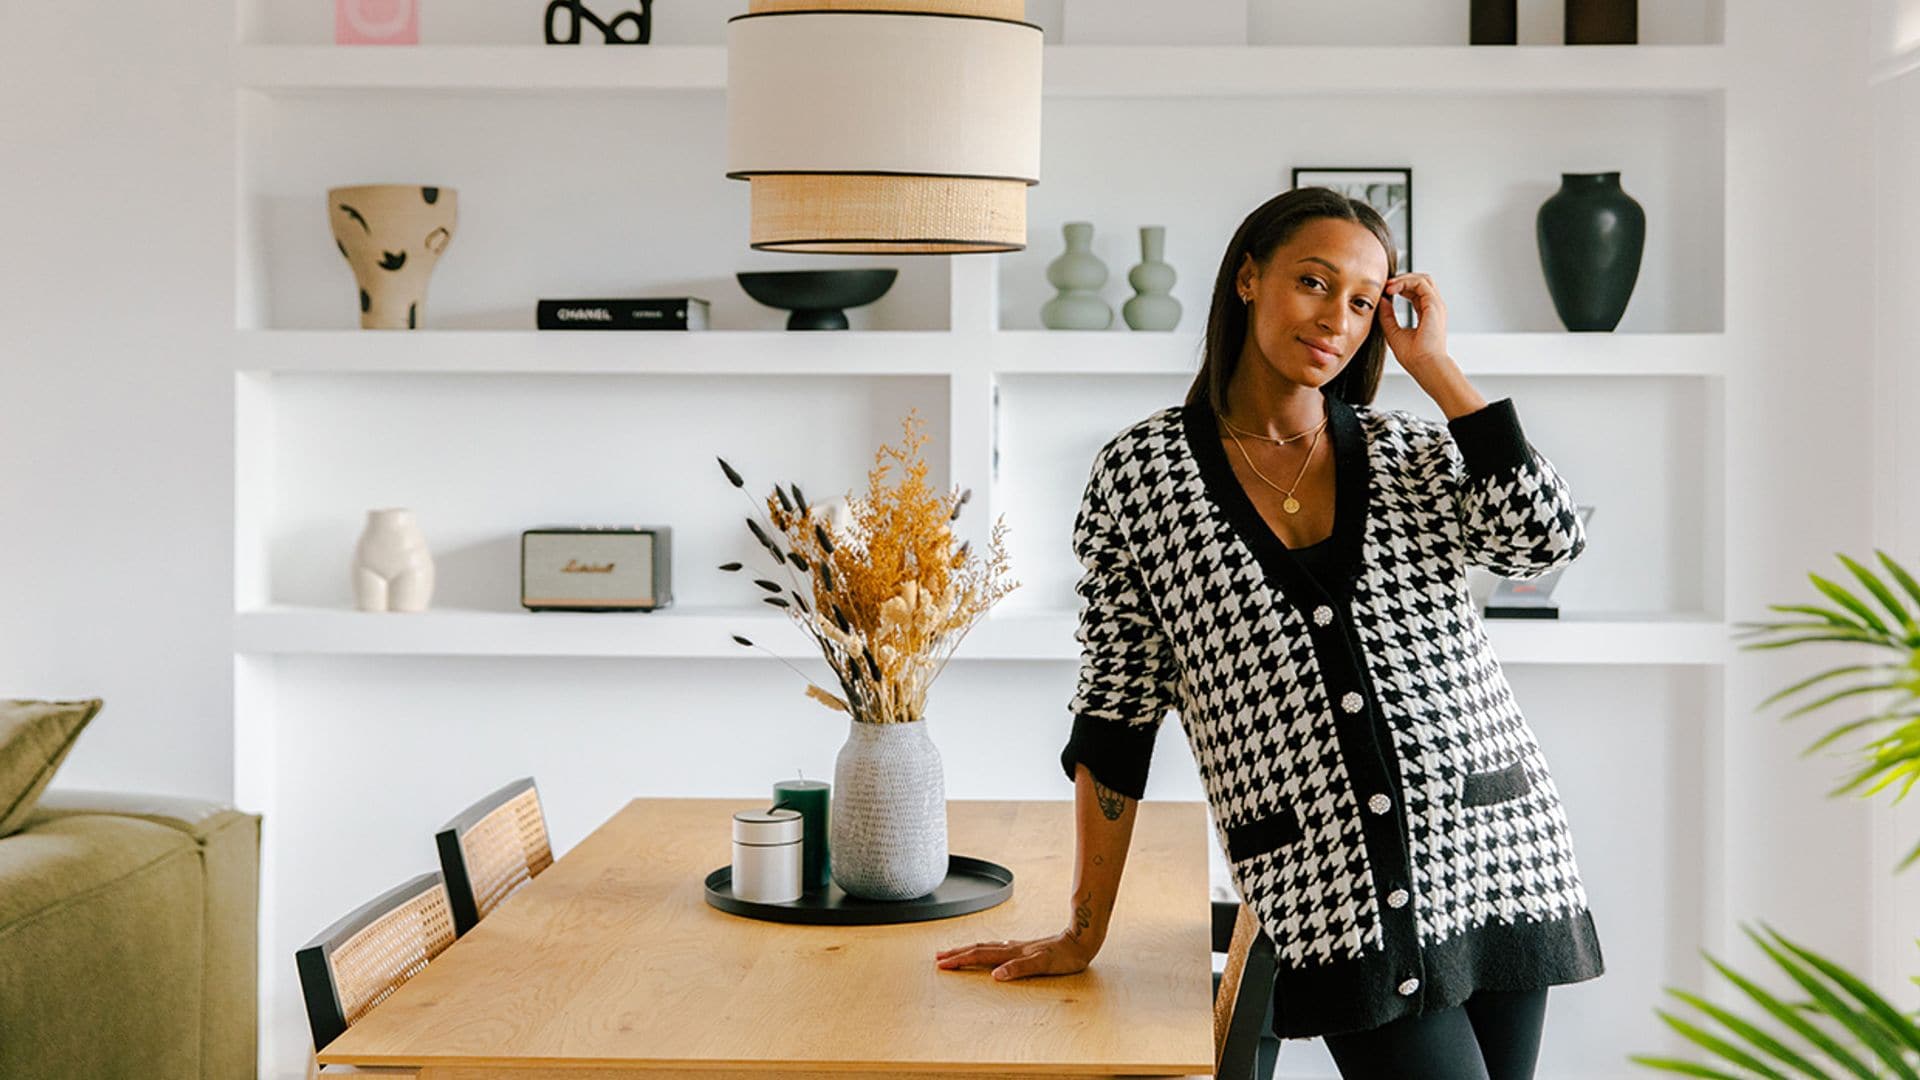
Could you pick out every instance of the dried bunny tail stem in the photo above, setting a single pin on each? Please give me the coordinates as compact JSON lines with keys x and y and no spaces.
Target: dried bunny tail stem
{"x":826,"y":698}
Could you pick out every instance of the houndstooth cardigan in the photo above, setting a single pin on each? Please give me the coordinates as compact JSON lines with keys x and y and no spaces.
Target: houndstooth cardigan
{"x":1384,"y":808}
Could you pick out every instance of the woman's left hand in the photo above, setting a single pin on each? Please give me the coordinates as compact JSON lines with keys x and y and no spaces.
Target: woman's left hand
{"x":1419,"y":346}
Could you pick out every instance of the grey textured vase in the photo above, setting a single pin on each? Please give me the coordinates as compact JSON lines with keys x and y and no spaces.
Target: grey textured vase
{"x":1152,"y":306}
{"x":1078,"y":273}
{"x":888,"y":829}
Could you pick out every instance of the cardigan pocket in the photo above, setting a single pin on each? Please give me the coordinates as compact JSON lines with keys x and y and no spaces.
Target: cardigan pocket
{"x":1261,"y":835}
{"x":1498,"y":786}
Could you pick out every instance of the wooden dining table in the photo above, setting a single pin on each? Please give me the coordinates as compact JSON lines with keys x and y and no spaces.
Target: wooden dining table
{"x":611,"y":964}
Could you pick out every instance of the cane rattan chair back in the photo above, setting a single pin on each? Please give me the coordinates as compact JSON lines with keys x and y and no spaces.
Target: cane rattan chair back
{"x":495,"y":846}
{"x":1246,"y":986}
{"x":355,"y":963}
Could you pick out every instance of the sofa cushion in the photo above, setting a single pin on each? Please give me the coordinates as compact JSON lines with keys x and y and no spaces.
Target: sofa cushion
{"x":102,"y":948}
{"x":34,"y":739}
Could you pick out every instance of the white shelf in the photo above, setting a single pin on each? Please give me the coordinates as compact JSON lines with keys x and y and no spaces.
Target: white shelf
{"x":670,"y":633}
{"x":600,"y":352}
{"x":936,"y":353}
{"x":1068,"y":71}
{"x":1119,"y":352}
{"x":707,"y":632}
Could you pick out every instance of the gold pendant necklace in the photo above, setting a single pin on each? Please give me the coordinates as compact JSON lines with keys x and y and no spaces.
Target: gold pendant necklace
{"x":1278,"y":440}
{"x":1291,"y":505}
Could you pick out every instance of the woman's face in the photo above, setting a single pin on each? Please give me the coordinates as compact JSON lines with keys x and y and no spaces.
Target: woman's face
{"x":1314,"y":301}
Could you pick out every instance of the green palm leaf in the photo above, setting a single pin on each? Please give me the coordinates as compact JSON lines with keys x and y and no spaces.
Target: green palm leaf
{"x":1766,"y":1043}
{"x":1872,"y":583}
{"x":1864,"y":688}
{"x":1831,"y":673}
{"x":1719,"y":1046}
{"x":1794,"y":1021}
{"x":1899,"y":575}
{"x":1852,"y":603}
{"x":1684,"y":1068}
{"x":1835,"y":635}
{"x":1897,"y":1024}
{"x":1863,"y":1029}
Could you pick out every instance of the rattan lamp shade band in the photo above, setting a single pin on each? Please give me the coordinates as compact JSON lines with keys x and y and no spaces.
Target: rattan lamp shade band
{"x":911,"y":130}
{"x":909,"y":215}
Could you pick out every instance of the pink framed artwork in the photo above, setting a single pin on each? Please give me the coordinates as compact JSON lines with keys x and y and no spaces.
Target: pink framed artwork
{"x":376,"y":22}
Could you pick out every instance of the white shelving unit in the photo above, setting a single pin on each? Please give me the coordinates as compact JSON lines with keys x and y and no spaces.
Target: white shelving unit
{"x":1070,"y":71}
{"x":296,"y":384}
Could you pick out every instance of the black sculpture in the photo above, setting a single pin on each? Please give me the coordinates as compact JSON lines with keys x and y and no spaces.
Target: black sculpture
{"x":641,"y":23}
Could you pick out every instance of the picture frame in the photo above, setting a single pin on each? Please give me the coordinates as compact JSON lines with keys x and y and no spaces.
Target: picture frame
{"x":1388,"y":190}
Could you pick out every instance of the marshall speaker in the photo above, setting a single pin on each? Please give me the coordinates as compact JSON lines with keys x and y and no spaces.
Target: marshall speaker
{"x":587,"y":568}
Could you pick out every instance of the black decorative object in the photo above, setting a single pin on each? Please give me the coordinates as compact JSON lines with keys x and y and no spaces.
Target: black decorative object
{"x":1603,"y":22}
{"x":971,"y":885}
{"x":1494,"y":22}
{"x":818,"y":299}
{"x":626,"y":28}
{"x":1591,"y":235}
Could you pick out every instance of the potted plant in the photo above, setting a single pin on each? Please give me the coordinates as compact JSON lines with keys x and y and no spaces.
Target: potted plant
{"x":881,"y":587}
{"x":1843,"y":1027}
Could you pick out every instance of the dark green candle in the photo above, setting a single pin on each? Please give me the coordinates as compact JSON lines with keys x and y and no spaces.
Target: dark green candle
{"x":810,"y":797}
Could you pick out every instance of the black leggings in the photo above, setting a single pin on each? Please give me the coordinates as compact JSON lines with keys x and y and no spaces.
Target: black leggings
{"x":1493,"y":1036}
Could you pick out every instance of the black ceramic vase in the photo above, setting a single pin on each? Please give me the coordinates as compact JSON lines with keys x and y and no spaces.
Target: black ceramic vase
{"x":1591,"y":235}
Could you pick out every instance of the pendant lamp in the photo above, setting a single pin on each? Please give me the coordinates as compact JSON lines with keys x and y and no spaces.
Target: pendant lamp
{"x":899,"y":127}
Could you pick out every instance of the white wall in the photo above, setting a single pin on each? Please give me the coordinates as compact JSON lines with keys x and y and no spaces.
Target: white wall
{"x":1896,"y":397}
{"x":117,"y":302}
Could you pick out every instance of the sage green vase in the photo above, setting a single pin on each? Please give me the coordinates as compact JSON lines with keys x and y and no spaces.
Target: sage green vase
{"x":1152,"y":306}
{"x":1078,"y":273}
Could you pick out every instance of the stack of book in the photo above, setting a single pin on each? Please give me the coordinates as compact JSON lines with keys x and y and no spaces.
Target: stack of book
{"x":645,"y":313}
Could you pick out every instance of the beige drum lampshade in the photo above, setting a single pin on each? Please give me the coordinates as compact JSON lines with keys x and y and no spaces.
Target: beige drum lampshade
{"x":885,"y":126}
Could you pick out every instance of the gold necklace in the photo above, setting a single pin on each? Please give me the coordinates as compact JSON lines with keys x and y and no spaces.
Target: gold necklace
{"x":1279,"y":440}
{"x":1291,"y":505}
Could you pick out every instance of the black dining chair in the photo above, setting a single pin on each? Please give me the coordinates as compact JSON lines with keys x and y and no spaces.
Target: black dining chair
{"x":492,"y":848}
{"x":1243,"y":1041}
{"x":357,"y":962}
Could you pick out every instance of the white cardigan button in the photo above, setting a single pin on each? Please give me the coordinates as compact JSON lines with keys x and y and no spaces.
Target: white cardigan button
{"x":1353,"y":702}
{"x":1379,"y":804}
{"x":1397,"y":899}
{"x":1407,"y":988}
{"x":1322,"y":615}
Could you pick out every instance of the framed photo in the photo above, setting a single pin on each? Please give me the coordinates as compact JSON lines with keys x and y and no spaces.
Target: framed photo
{"x":1390,"y":191}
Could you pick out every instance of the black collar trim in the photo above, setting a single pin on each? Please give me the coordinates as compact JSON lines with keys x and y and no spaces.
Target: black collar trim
{"x":1352,"y":484}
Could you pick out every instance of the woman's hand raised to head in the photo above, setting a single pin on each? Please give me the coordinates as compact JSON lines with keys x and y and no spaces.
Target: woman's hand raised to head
{"x":1061,"y":954}
{"x":1420,"y":345}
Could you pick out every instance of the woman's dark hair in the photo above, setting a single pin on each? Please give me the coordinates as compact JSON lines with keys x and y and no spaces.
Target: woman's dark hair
{"x":1266,"y":229}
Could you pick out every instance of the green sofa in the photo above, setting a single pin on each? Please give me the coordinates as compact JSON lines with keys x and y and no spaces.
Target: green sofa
{"x":128,"y":940}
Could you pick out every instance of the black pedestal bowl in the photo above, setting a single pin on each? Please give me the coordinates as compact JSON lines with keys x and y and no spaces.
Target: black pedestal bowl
{"x":818,"y":299}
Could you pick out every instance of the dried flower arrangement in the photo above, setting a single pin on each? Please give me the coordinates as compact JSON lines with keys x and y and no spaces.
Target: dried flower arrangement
{"x":884,"y":591}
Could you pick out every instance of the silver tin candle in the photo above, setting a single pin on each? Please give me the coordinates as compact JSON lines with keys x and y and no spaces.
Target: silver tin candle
{"x":767,"y":855}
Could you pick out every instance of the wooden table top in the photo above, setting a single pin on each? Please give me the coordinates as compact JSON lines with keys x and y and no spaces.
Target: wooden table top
{"x":613,"y":962}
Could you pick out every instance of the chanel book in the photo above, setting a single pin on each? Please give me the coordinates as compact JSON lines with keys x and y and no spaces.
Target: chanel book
{"x":641,"y":313}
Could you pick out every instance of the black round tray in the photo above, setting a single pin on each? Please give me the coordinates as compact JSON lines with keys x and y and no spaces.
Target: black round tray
{"x":971,"y":885}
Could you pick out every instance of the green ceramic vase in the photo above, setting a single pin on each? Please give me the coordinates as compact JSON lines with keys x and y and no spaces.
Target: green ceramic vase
{"x":1078,"y":273}
{"x":1152,"y":306}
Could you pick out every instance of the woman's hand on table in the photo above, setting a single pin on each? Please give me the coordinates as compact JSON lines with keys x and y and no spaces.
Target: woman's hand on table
{"x":1060,"y":954}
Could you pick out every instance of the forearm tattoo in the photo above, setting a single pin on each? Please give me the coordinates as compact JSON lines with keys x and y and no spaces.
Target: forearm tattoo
{"x":1112,"y":803}
{"x":1082,"y":920}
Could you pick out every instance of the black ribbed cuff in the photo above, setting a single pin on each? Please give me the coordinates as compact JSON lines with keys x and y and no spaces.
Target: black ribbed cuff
{"x":1490,"y":438}
{"x":1117,"y":754}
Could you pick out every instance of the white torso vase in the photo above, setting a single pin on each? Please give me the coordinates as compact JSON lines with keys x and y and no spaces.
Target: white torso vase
{"x":392,"y":568}
{"x":888,"y":829}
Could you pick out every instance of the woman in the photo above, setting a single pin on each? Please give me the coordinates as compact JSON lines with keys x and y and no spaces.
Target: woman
{"x":1287,"y":566}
